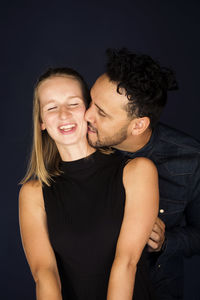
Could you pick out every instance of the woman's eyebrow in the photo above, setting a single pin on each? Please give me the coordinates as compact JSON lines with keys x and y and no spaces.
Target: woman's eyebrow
{"x":54,"y":100}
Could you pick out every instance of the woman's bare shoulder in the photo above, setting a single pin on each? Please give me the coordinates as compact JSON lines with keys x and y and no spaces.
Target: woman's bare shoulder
{"x":139,"y":171}
{"x":140,"y":164}
{"x":32,"y":189}
{"x":30,"y":186}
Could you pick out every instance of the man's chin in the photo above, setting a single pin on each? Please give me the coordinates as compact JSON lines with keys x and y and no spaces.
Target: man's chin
{"x":91,"y":142}
{"x":95,"y":144}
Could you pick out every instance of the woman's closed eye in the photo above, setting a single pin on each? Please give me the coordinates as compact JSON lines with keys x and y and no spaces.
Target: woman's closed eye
{"x":51,"y":108}
{"x":73,"y":104}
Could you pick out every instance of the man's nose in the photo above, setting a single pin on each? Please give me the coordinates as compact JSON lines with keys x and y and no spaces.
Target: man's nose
{"x":89,"y":115}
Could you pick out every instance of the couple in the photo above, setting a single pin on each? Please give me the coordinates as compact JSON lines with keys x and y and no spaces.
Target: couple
{"x":82,"y":238}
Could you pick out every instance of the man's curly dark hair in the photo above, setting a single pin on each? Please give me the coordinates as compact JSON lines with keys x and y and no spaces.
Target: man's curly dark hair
{"x":144,"y":81}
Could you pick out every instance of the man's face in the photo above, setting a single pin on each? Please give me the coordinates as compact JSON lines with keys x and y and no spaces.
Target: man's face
{"x":107,"y":118}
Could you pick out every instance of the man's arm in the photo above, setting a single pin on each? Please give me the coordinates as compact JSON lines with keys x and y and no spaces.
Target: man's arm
{"x":181,"y":240}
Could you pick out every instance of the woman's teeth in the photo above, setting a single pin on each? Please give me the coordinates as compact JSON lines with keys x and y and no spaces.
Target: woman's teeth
{"x":67,"y":127}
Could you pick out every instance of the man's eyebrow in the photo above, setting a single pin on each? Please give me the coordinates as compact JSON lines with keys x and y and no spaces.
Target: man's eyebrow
{"x":101,"y":109}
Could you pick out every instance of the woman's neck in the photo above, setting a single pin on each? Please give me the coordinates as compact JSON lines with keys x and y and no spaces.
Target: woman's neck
{"x":75,"y":152}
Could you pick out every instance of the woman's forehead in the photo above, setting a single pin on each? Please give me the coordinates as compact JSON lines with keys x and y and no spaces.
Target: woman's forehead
{"x":58,"y":86}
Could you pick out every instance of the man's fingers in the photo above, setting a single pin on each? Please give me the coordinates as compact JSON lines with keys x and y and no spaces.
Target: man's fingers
{"x":157,"y":229}
{"x":153,"y":245}
{"x":160,"y":223}
{"x":155,"y":236}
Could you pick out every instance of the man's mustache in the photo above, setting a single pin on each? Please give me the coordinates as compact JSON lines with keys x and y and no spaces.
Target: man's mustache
{"x":92,"y":128}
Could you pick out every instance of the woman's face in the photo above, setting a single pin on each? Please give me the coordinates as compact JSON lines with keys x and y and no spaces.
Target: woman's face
{"x":62,"y":110}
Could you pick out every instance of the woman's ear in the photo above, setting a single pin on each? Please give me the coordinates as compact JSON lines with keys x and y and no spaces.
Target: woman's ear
{"x":42,"y":126}
{"x":139,"y":125}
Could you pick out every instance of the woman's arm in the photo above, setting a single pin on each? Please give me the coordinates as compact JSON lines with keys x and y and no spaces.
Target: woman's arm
{"x":37,"y":247}
{"x":141,"y":208}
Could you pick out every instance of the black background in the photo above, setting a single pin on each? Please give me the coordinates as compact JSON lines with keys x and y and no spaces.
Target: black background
{"x":35,"y":35}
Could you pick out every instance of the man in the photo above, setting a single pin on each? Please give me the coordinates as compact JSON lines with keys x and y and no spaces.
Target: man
{"x":126,"y":105}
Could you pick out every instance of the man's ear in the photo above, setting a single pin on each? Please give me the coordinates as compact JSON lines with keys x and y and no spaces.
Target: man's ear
{"x":139,"y":125}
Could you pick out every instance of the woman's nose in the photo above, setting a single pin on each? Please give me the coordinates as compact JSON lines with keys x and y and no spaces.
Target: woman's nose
{"x":64,"y":113}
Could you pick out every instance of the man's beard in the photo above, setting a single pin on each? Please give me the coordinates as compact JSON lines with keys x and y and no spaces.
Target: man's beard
{"x":110,"y":141}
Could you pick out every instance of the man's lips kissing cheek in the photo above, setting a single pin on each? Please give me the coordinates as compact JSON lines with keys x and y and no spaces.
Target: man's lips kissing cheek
{"x":91,"y":129}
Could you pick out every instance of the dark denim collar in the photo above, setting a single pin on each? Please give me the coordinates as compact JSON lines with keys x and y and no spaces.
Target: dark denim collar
{"x":146,"y":150}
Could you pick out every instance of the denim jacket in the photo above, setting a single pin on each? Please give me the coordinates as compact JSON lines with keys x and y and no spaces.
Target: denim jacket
{"x":177,"y":157}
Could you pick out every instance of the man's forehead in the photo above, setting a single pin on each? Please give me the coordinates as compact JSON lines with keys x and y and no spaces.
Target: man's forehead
{"x":105,"y":96}
{"x":105,"y":88}
{"x":103,"y":81}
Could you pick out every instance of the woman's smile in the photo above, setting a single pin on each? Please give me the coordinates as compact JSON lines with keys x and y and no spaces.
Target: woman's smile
{"x":67,"y":128}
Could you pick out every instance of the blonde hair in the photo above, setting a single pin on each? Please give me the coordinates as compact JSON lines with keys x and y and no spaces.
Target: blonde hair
{"x":45,"y":158}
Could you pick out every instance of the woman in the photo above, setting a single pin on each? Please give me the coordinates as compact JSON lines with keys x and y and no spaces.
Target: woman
{"x":81,"y":238}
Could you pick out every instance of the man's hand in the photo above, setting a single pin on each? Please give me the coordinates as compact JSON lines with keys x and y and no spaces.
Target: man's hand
{"x":157,"y":236}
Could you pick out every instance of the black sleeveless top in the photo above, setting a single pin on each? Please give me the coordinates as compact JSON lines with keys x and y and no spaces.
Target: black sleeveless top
{"x":85,"y":207}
